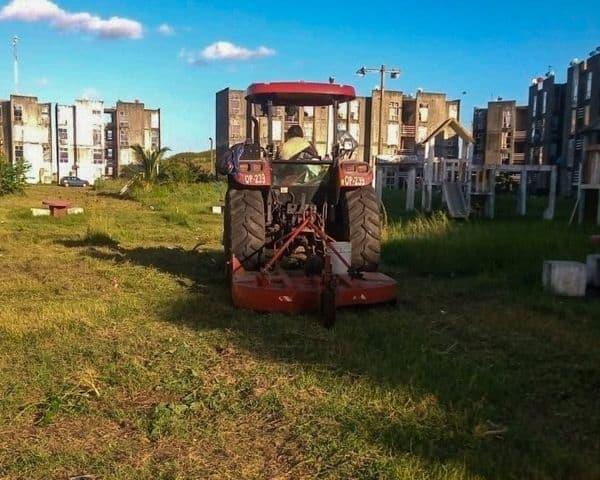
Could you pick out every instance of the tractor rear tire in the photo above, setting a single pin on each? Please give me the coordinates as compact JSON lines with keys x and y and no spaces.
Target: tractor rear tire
{"x":362,"y":227}
{"x":244,"y":229}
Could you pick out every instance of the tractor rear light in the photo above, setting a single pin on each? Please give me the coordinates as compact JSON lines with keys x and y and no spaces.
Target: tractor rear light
{"x":244,"y":167}
{"x":350,"y":168}
{"x":362,"y":168}
{"x":257,"y":167}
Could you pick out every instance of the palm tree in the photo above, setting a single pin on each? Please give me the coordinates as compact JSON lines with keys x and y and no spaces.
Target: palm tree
{"x":149,"y":161}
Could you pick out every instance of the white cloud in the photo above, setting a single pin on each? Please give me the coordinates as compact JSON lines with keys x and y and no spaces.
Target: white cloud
{"x":42,"y":82}
{"x":47,"y":11}
{"x":166,"y":30}
{"x":222,"y":50}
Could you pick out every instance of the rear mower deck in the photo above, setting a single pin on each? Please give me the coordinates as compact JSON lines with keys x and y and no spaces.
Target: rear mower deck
{"x":294,"y":292}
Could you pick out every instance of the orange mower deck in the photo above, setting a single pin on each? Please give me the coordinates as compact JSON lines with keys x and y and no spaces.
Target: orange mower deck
{"x":294,"y":292}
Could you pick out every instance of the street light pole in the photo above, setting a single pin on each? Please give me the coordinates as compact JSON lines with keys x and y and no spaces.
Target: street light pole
{"x":212,"y":160}
{"x":394,"y":73}
{"x":381,"y":95}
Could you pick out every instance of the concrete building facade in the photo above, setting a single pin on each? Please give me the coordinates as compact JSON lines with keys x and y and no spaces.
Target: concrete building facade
{"x":125,"y":125}
{"x":84,"y":139}
{"x":500,"y":133}
{"x":582,"y":109}
{"x":80,"y":140}
{"x":27,"y":135}
{"x":545,"y":121}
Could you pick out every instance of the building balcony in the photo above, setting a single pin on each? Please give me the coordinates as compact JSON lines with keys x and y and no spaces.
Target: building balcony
{"x":520,"y":134}
{"x":518,"y":158}
{"x":408,"y":130}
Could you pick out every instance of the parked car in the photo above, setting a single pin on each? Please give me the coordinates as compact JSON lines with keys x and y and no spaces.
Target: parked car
{"x":73,"y":182}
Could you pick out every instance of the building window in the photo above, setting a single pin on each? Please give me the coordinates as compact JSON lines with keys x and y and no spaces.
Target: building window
{"x":393,"y":112}
{"x":19,"y":153}
{"x":18,"y":113}
{"x":155,"y":140}
{"x":544,"y":102}
{"x":309,"y":112}
{"x":342,"y":113}
{"x":98,"y":158}
{"x":423,"y":112}
{"x":235,"y":129}
{"x":123,"y":138}
{"x":506,"y":119}
{"x":354,"y":110}
{"x":453,"y":111}
{"x":109,"y":153}
{"x":97,"y":137}
{"x":46,"y":152}
{"x":393,"y":134}
{"x":96,"y":112}
{"x":573,"y":120}
{"x":234,"y":106}
{"x":575,"y":90}
{"x":62,"y":136}
{"x":535,"y":104}
{"x":109,"y":135}
{"x":63,"y":155}
{"x":124,"y":124}
{"x":308,"y":131}
{"x":588,"y":86}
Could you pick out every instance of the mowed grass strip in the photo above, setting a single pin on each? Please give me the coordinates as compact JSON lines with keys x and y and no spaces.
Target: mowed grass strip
{"x":121,"y":356}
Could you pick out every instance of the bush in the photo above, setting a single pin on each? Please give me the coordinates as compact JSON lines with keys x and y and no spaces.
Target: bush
{"x":183,"y":170}
{"x":12,"y":177}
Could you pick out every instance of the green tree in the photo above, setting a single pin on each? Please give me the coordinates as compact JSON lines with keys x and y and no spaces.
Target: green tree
{"x":149,"y":161}
{"x":12,"y":176}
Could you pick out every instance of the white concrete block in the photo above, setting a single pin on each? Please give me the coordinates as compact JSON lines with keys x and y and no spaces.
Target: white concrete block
{"x":593,"y":270}
{"x":565,"y":278}
{"x":75,"y":211}
{"x":40,"y":212}
{"x":217,"y":210}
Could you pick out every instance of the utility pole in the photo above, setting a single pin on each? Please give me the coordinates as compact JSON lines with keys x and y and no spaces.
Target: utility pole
{"x":15,"y":43}
{"x":212,"y":160}
{"x":394,"y":73}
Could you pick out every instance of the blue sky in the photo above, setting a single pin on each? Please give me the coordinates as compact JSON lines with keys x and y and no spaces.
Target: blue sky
{"x":487,"y":50}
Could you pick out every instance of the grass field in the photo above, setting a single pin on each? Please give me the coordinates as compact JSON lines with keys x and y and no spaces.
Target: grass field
{"x":121,"y":356}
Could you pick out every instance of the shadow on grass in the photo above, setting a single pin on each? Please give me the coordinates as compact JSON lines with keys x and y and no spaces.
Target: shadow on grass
{"x":457,"y":387}
{"x":92,"y":239}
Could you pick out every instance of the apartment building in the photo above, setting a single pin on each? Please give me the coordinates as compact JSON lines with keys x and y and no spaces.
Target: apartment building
{"x":80,"y":140}
{"x":84,"y":139}
{"x":545,"y":121}
{"x":125,"y":125}
{"x":582,"y":110}
{"x":500,"y":133}
{"x":26,"y":127}
{"x":406,"y":121}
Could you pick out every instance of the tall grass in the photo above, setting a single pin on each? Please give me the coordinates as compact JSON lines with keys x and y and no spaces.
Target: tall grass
{"x":511,"y":247}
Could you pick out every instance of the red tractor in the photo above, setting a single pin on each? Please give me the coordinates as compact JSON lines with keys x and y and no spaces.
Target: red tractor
{"x":285,"y":219}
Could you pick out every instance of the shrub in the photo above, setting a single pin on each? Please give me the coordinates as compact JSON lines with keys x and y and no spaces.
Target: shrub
{"x":184,"y":170}
{"x":12,"y":177}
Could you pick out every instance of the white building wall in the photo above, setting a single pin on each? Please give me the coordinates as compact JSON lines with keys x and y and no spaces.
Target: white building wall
{"x":89,"y":129}
{"x":32,"y":134}
{"x":65,"y":139}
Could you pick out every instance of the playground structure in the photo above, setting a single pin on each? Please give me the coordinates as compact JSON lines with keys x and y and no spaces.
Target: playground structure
{"x":461,"y":184}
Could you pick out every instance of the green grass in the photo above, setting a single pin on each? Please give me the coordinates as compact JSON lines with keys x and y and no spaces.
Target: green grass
{"x":121,"y":356}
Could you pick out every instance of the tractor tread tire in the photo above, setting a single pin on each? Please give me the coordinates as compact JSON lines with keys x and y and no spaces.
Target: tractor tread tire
{"x":362,"y":225}
{"x":244,"y":230}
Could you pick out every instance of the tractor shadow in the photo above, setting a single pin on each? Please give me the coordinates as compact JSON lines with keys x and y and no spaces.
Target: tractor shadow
{"x":407,"y":350}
